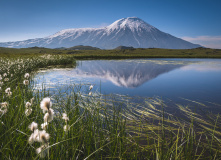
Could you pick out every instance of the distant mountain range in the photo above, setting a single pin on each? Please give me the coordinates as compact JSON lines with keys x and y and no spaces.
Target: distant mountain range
{"x":131,"y":31}
{"x":80,"y":47}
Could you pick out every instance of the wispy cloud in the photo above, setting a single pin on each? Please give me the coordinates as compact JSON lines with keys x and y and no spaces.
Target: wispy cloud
{"x":207,"y":41}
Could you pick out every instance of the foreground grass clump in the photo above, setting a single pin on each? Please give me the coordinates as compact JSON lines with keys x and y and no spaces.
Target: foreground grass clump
{"x":71,"y":124}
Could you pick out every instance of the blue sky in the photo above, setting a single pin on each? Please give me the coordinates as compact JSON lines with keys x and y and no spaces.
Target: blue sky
{"x":198,"y":21}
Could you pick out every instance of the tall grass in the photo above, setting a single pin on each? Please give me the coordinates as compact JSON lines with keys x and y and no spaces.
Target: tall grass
{"x":98,"y":126}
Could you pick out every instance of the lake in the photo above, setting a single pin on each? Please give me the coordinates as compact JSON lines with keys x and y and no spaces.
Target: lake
{"x":172,"y":79}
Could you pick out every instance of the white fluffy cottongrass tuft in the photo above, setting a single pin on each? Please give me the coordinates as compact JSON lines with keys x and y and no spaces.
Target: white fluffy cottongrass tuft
{"x":4,"y":107}
{"x":43,"y":136}
{"x":90,"y":93}
{"x":6,"y":79}
{"x":28,"y":104}
{"x":65,"y":117}
{"x":33,"y":126}
{"x":28,"y":111}
{"x":44,"y":125}
{"x":35,"y":135}
{"x":9,"y":94}
{"x":48,"y":117}
{"x":27,"y":75}
{"x":31,"y":139}
{"x":46,"y":104}
{"x":26,"y":82}
{"x":42,"y":151}
{"x":7,"y":90}
{"x":91,"y":87}
{"x":66,"y":128}
{"x":4,"y":104}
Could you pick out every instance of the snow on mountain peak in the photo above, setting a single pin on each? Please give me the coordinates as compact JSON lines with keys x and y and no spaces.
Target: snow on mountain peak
{"x":132,"y":23}
{"x":69,"y":32}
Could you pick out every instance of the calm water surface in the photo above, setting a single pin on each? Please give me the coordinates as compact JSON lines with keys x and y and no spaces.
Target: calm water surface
{"x":174,"y":79}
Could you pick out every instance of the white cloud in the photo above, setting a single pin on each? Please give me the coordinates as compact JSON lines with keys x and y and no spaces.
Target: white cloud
{"x":207,"y":41}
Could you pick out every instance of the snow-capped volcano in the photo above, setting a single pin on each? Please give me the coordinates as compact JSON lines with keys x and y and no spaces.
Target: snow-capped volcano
{"x":130,"y":31}
{"x":132,"y":23}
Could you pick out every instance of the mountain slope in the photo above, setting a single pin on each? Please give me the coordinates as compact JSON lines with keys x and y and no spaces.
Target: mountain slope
{"x":130,"y":31}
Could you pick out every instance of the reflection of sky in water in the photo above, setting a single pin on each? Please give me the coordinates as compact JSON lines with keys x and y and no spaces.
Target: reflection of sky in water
{"x":197,"y":79}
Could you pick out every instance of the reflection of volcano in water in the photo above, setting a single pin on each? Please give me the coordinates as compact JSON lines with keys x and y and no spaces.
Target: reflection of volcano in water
{"x":128,"y":74}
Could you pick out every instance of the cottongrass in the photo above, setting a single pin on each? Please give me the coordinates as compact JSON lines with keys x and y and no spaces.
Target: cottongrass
{"x":91,"y":87}
{"x":46,"y":107}
{"x":65,"y":117}
{"x":41,"y":137}
{"x":7,"y":90}
{"x":6,"y":79}
{"x":28,"y":109}
{"x":44,"y":125}
{"x":28,"y":104}
{"x":9,"y":94}
{"x":45,"y":104}
{"x":4,"y":107}
{"x":66,"y":128}
{"x":42,"y":151}
{"x":26,"y":75}
{"x":48,"y":117}
{"x":33,"y":126}
{"x":34,"y":137}
{"x":26,"y":82}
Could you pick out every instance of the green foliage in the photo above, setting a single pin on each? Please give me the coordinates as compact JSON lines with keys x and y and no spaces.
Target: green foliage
{"x":117,"y":54}
{"x":101,"y":127}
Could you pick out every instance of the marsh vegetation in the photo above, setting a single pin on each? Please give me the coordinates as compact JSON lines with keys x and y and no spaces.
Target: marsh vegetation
{"x":80,"y":123}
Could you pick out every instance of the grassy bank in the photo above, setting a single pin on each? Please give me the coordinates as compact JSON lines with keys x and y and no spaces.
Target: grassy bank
{"x":88,"y":125}
{"x":119,"y":54}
